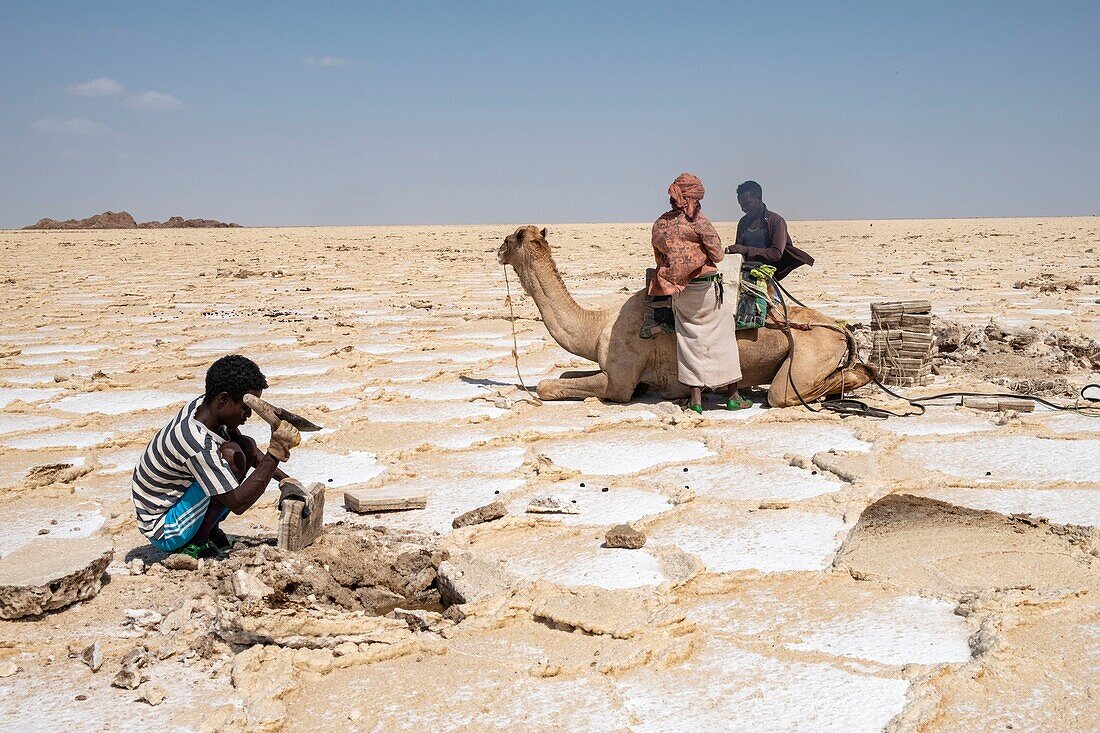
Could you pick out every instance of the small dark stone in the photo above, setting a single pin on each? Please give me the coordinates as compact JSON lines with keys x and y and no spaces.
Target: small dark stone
{"x":604,"y":489}
{"x":582,"y":484}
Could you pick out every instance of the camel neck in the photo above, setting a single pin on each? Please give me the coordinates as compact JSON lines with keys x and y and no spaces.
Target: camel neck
{"x":576,"y":329}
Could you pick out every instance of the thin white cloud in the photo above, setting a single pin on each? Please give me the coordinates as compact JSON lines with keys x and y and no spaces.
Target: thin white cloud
{"x":153,"y":100}
{"x":73,"y":126}
{"x":325,"y":62}
{"x":100,"y":87}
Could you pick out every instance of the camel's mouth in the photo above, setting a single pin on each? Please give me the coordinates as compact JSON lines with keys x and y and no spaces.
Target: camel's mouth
{"x":502,"y":253}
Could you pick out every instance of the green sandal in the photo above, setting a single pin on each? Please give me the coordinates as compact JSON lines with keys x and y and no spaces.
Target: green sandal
{"x":732,"y":404}
{"x":197,"y":550}
{"x":223,"y":541}
{"x":696,"y":408}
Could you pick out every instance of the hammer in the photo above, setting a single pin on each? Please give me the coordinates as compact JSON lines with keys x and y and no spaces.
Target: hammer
{"x":273,"y":415}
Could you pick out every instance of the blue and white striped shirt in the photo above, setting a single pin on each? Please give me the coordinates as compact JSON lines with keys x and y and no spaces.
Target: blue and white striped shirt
{"x":184,"y":452}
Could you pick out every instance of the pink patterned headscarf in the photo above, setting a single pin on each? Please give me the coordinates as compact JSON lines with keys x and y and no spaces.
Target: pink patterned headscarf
{"x":686,"y":192}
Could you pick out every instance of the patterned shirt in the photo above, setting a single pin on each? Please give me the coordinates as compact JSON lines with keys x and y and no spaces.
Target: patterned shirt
{"x":184,"y":452}
{"x":684,"y":250}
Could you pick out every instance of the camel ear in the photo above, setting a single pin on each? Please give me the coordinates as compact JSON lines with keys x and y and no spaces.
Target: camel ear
{"x":543,"y":232}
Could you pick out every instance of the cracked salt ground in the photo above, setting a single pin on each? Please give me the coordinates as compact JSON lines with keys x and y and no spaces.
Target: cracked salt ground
{"x":59,"y":439}
{"x":294,"y":370}
{"x":779,"y":439}
{"x":23,"y":524}
{"x":937,"y":423}
{"x":1061,"y":506}
{"x":118,"y":401}
{"x":468,"y":356}
{"x":747,"y":481}
{"x":61,"y":349}
{"x":446,"y":499}
{"x":377,"y":349}
{"x":611,"y":454}
{"x":21,"y":423}
{"x":52,"y":359}
{"x":310,"y":388}
{"x":441,"y":391}
{"x":483,"y":461}
{"x":333,"y":469}
{"x":575,"y":560}
{"x":26,"y":394}
{"x":417,"y":412}
{"x":725,"y":687}
{"x":1065,"y":423}
{"x":1010,"y":458}
{"x":728,"y":539}
{"x":617,"y":505}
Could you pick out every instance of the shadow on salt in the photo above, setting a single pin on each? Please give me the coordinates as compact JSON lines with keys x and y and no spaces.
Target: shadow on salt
{"x":1010,"y":458}
{"x":725,"y":687}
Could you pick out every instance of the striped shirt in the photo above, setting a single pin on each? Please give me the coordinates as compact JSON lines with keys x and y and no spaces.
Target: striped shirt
{"x":184,"y":452}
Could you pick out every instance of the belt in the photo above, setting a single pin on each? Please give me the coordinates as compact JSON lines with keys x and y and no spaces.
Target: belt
{"x":704,"y":278}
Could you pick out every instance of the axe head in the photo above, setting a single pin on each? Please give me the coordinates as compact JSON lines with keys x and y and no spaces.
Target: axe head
{"x":272,"y":414}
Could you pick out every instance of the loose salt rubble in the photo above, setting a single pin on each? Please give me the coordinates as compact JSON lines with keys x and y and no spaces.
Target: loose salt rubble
{"x":908,"y":630}
{"x":743,"y":481}
{"x":724,"y":687}
{"x":332,"y":469}
{"x":417,"y":412}
{"x":552,"y":505}
{"x":1010,"y":458}
{"x":602,"y":454}
{"x":117,"y":402}
{"x":60,"y":439}
{"x":728,"y":540}
{"x":1061,"y":506}
{"x":25,"y":394}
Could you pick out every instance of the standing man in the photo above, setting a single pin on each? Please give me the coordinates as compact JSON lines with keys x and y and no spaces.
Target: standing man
{"x":762,"y":237}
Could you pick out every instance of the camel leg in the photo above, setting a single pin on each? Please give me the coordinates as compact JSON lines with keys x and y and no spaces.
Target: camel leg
{"x":848,"y":380}
{"x":574,"y":388}
{"x":814,"y":372}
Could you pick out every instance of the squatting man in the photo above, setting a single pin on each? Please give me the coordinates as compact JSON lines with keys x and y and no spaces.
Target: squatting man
{"x":196,"y":469}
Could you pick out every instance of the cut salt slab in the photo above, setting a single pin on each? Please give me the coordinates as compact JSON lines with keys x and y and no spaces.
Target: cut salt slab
{"x":742,"y":481}
{"x":441,"y":391}
{"x":60,"y":439}
{"x":118,"y":402}
{"x":21,"y":423}
{"x":25,"y":394}
{"x":364,"y":501}
{"x":433,"y":413}
{"x":728,"y":540}
{"x":799,"y":438}
{"x":332,"y":469}
{"x":617,"y":505}
{"x":1010,"y":458}
{"x":446,"y":499}
{"x":48,"y":574}
{"x":907,"y":630}
{"x":724,"y":687}
{"x":1061,"y":506}
{"x":605,"y":454}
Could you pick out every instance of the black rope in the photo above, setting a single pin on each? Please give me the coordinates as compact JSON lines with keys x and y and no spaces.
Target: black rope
{"x":847,"y":406}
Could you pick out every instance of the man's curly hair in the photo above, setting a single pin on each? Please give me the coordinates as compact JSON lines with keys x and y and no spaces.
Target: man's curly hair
{"x":233,"y":375}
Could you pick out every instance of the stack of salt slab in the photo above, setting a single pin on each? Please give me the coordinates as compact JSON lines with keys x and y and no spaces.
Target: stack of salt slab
{"x":901,"y":342}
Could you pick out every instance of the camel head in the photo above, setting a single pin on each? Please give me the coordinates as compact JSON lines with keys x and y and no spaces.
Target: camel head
{"x":520,"y":246}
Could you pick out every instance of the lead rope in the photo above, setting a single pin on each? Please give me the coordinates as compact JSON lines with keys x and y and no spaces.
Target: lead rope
{"x":515,"y":345}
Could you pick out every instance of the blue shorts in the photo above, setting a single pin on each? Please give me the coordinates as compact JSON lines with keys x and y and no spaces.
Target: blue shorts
{"x":183,"y":519}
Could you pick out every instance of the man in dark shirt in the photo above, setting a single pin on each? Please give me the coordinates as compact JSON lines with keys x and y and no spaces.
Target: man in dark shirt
{"x":762,"y":236}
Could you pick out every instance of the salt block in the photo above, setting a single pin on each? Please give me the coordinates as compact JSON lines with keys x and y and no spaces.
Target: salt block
{"x":997,"y":404}
{"x":365,"y":501}
{"x":50,"y":573}
{"x":301,"y":514}
{"x":552,"y":505}
{"x":486,"y":513}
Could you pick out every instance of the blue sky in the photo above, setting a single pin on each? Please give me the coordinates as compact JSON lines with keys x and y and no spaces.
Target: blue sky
{"x":513,"y":112}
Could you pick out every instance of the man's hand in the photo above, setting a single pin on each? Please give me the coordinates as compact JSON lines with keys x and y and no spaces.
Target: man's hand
{"x":283,"y":438}
{"x":734,"y":249}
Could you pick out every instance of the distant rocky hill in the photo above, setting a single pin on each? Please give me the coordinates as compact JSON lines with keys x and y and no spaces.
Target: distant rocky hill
{"x":123,"y":220}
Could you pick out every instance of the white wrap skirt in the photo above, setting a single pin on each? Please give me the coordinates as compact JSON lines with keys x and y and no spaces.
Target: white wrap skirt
{"x":706,"y":336}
